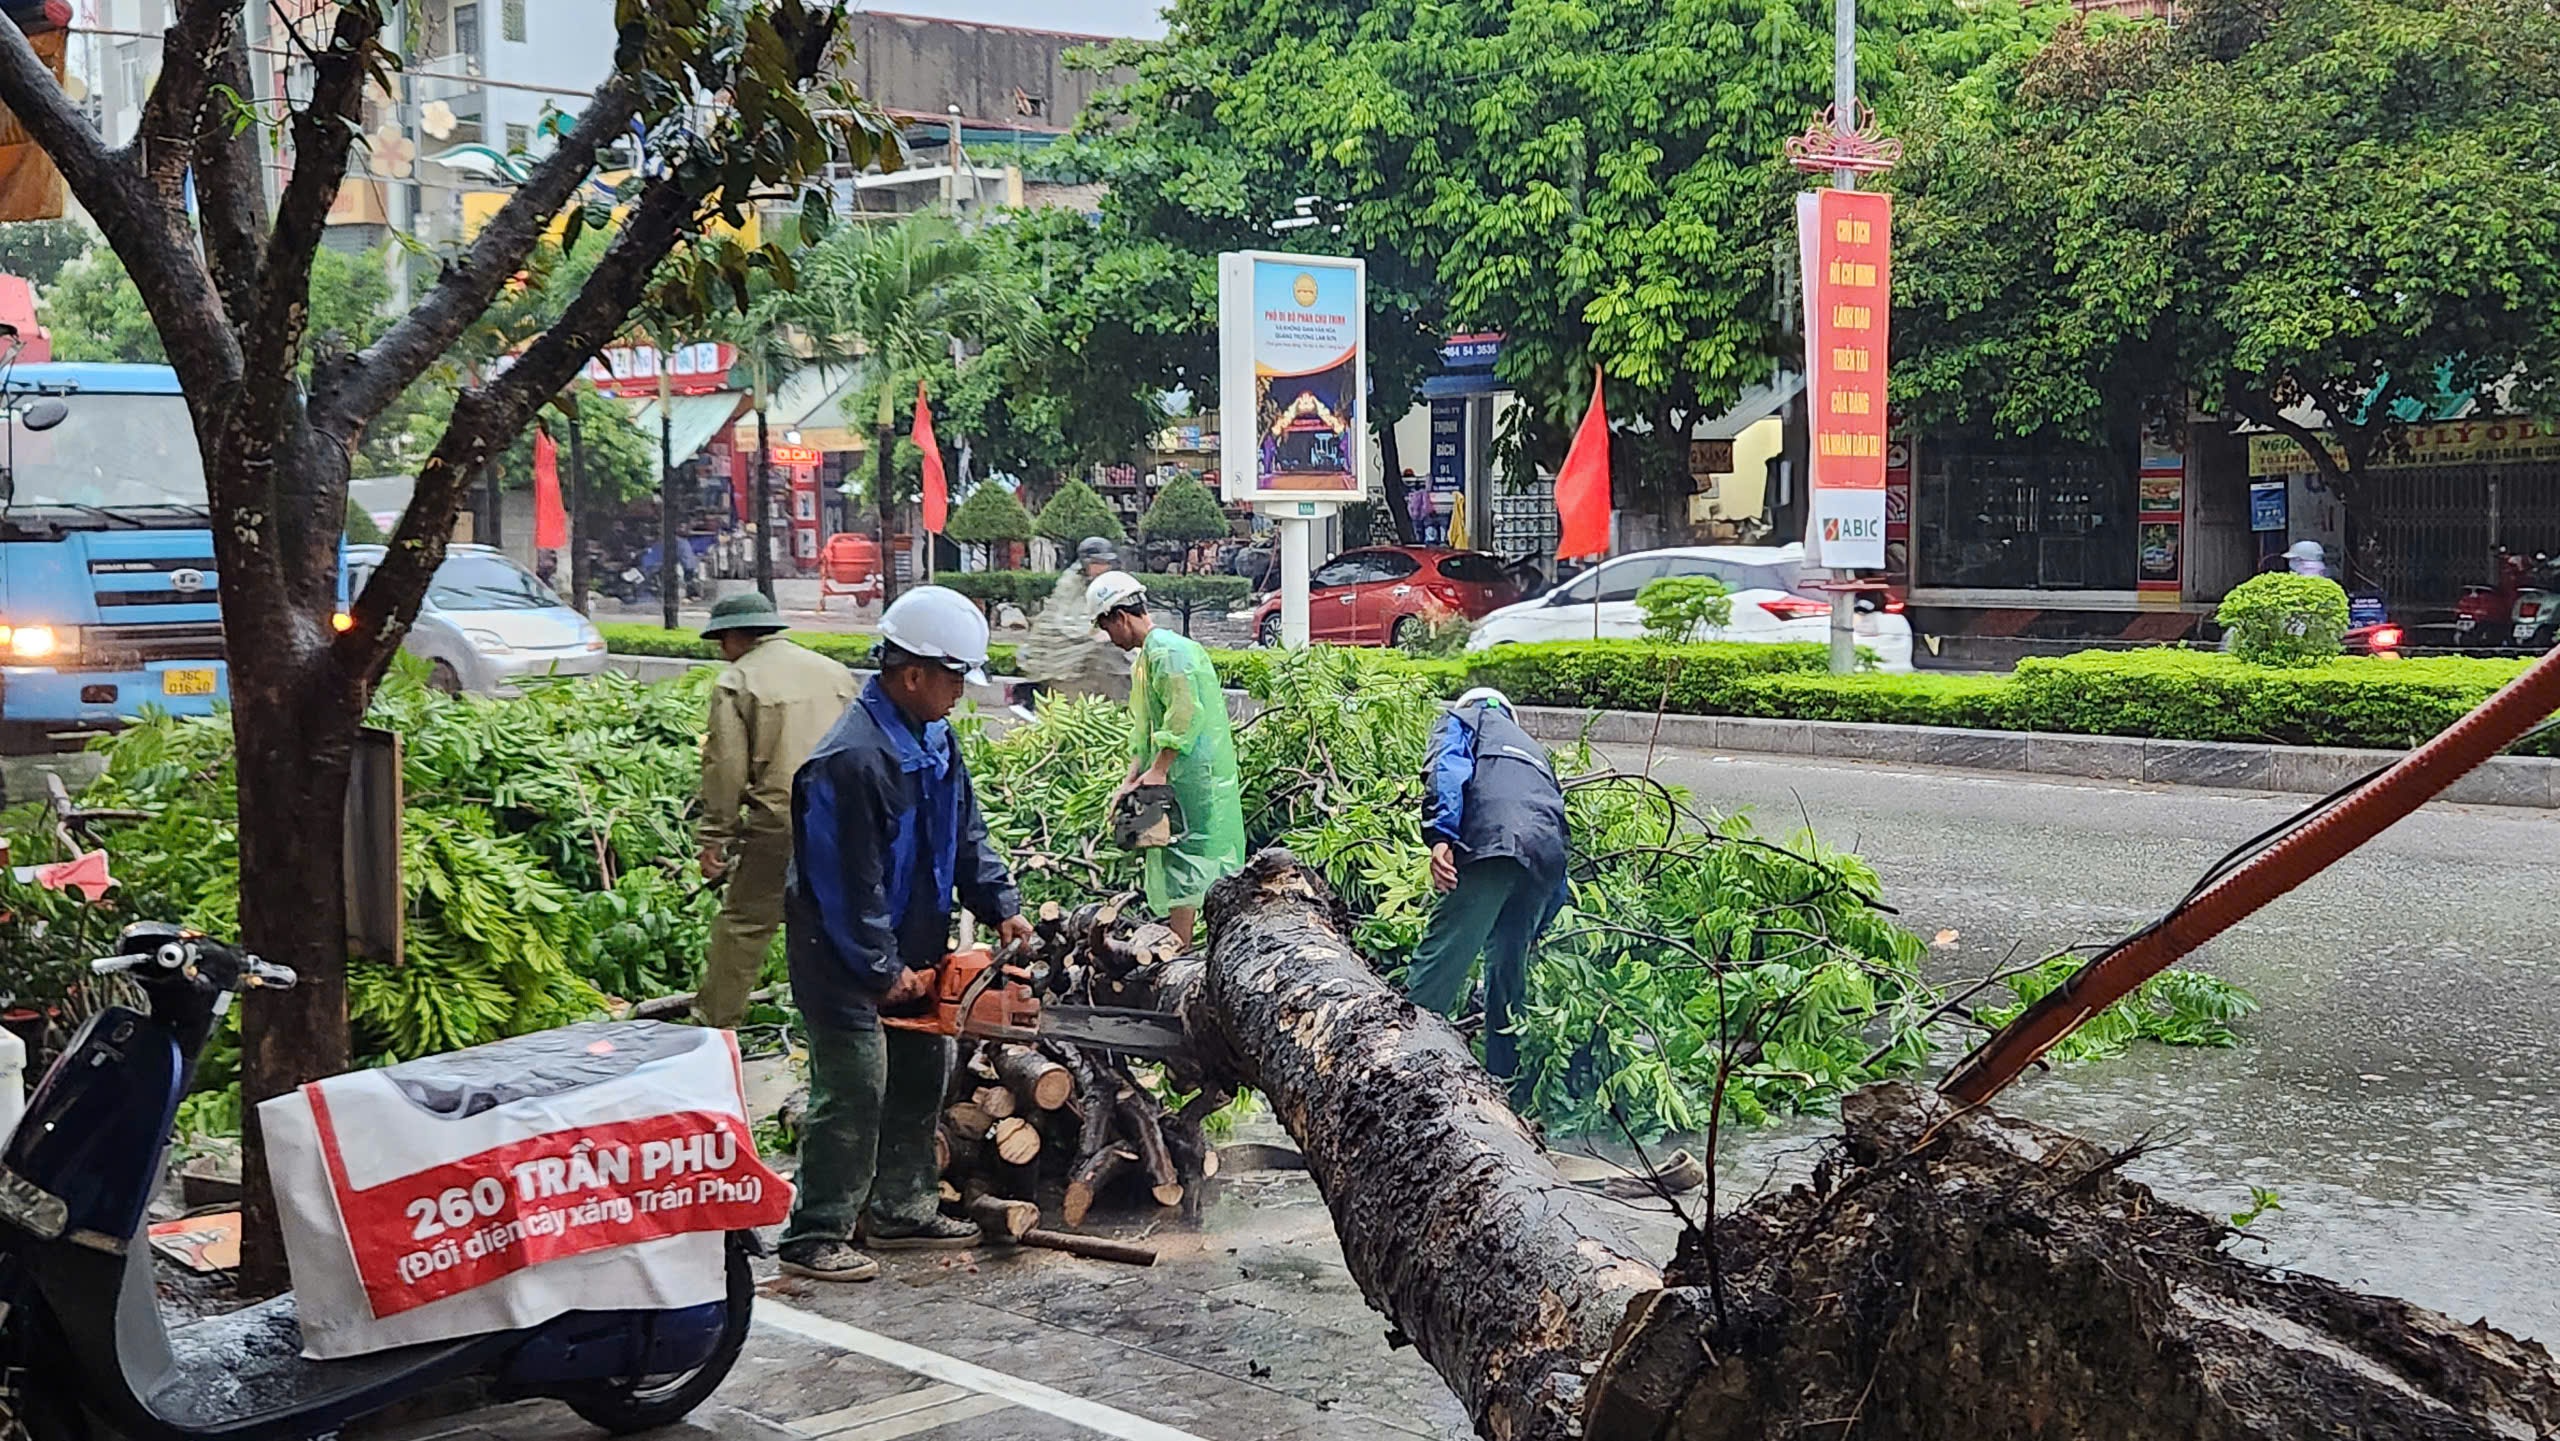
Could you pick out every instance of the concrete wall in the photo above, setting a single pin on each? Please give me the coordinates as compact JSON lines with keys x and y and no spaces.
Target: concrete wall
{"x":907,"y":63}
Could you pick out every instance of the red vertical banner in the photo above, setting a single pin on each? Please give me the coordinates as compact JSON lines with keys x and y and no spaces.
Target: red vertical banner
{"x":937,"y":489}
{"x":1846,"y":242}
{"x":550,"y":517}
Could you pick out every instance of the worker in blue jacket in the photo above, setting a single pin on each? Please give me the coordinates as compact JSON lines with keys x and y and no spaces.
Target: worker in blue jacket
{"x":885,"y":833}
{"x":1493,"y":814}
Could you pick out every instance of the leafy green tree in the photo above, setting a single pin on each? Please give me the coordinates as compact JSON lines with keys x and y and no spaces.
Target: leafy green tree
{"x":1183,"y":514}
{"x":1603,"y":182}
{"x":1075,"y":512}
{"x":38,"y":249}
{"x":95,"y":313}
{"x":2348,"y":203}
{"x":229,"y":276}
{"x":903,"y":295}
{"x":991,"y":515}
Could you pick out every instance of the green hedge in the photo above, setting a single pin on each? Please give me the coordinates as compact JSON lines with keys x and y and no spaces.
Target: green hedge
{"x":633,"y":638}
{"x":2361,"y":701}
{"x":1025,"y":588}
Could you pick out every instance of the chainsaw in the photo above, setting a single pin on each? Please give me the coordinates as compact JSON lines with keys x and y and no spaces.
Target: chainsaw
{"x":977,"y":996}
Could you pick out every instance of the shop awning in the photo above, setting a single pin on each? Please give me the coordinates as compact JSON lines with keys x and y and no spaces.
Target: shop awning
{"x":1757,"y":404}
{"x":810,"y":402}
{"x":695,"y":419}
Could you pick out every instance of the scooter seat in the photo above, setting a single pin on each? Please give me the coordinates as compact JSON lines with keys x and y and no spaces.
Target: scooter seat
{"x":249,"y":1362}
{"x":546,"y":1063}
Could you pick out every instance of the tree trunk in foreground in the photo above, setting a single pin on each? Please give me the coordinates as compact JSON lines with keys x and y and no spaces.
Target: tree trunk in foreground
{"x":1509,"y":1279}
{"x":1947,"y":1276}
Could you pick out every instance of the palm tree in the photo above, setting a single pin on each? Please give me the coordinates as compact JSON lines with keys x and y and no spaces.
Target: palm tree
{"x":901,"y":295}
{"x":775,"y":343}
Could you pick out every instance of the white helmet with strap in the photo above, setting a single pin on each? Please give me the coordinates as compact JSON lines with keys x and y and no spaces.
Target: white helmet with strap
{"x":1113,"y":590}
{"x":939,"y":624}
{"x":1483,"y":694}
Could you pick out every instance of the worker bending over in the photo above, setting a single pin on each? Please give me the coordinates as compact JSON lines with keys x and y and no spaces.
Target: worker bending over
{"x":1493,"y":815}
{"x":886,"y":828}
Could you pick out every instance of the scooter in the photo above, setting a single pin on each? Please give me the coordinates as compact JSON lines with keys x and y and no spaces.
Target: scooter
{"x":86,"y":1353}
{"x":2537,"y":613}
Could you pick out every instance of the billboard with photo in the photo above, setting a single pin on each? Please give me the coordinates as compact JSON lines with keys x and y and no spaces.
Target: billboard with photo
{"x":1293,"y":369}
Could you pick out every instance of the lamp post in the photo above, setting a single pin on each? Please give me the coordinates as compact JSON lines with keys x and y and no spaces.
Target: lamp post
{"x":1844,"y":105}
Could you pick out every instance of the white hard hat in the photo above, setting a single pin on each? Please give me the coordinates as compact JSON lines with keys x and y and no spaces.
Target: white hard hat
{"x":1112,"y":590}
{"x":2306,"y":550}
{"x":1483,"y":693}
{"x":937,"y":623}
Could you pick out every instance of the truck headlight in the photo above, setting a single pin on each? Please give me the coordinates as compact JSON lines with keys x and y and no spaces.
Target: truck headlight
{"x":32,"y":642}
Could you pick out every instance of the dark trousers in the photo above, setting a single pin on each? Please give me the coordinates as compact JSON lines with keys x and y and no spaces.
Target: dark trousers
{"x":1496,"y":912}
{"x":874,"y":1098}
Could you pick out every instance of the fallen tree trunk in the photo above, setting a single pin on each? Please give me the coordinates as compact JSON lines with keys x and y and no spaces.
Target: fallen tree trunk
{"x":1948,"y":1275}
{"x":1507,"y":1277}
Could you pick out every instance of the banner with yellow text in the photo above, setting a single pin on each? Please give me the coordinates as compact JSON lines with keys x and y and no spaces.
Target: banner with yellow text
{"x":1845,"y":237}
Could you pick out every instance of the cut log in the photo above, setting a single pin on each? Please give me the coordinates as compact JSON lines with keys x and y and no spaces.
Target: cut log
{"x":1094,"y":1248}
{"x":1033,"y":1078}
{"x":996,"y":1100}
{"x":1092,"y":1109}
{"x":1016,"y":1141}
{"x":1003,"y":1219}
{"x":1508,"y":1279}
{"x":969,"y":1118}
{"x":961,"y":1153}
{"x":1092,"y":1178}
{"x":1949,"y":1276}
{"x":1142,"y":1120}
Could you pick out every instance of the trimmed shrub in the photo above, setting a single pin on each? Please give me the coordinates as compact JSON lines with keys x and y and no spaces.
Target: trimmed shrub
{"x":1681,"y":609}
{"x":992,"y":515}
{"x":853,"y":649}
{"x":2363,"y":701}
{"x":1075,"y":512}
{"x":2285,"y":619}
{"x":1025,"y":588}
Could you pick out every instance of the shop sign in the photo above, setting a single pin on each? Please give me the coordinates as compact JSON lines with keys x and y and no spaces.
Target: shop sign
{"x":2161,"y":494}
{"x":1709,"y":459}
{"x":1470,"y":352}
{"x":2485,"y":440}
{"x":795,"y":454}
{"x":631,"y":371}
{"x":1845,"y":240}
{"x":1448,"y":447}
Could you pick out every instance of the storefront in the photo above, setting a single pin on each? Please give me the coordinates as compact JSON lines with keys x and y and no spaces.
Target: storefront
{"x":2432,"y":514}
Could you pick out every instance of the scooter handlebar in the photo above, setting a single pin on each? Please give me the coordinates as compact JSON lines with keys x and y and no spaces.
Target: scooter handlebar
{"x":202,"y":960}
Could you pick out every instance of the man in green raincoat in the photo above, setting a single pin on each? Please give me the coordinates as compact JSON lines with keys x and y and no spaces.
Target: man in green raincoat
{"x":1181,"y":739}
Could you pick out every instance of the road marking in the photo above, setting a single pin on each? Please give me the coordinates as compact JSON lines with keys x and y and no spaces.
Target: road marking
{"x":951,"y":1370}
{"x":885,"y":1409}
{"x":961,"y":1407}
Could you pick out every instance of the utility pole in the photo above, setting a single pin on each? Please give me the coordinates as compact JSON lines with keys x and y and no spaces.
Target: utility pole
{"x":667,"y":572}
{"x":578,"y":577}
{"x":1844,"y":109}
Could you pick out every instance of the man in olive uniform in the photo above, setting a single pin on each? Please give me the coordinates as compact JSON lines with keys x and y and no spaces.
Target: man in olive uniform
{"x":769,"y":710}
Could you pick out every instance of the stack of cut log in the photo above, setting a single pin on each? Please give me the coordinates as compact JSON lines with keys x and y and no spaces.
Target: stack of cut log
{"x":1025,"y":1122}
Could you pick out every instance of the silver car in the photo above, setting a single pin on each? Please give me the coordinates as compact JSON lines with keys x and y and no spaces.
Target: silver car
{"x":488,"y":623}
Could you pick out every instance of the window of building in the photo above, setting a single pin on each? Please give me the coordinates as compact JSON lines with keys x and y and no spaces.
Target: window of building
{"x":518,"y":137}
{"x":511,"y":21}
{"x":466,"y":29}
{"x":2025,"y":516}
{"x":129,"y":70}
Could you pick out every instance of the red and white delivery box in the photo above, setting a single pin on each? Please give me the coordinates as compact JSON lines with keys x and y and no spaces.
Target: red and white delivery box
{"x":589,"y":1168}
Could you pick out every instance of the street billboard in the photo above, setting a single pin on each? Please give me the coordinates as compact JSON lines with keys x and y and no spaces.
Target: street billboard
{"x":1293,"y":376}
{"x":1845,"y":238}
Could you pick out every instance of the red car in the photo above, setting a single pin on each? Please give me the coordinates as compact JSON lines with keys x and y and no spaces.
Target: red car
{"x":1378,"y":595}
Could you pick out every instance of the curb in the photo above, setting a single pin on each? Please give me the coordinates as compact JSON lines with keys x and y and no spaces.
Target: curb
{"x":2526,"y":781}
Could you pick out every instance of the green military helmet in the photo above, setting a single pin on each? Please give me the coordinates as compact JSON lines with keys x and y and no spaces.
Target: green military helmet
{"x":747,"y":610}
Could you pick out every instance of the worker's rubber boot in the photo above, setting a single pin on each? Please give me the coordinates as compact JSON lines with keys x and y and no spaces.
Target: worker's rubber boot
{"x":940,"y":1233}
{"x":822,"y":1260}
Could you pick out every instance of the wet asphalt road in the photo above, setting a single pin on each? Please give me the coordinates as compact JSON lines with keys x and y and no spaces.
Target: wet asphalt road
{"x":2397,"y":1090}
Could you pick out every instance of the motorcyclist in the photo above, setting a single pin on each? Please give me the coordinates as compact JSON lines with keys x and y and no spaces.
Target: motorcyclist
{"x":1065,"y":656}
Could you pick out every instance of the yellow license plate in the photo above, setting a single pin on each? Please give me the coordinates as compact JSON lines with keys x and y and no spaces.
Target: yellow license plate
{"x":186,"y":682}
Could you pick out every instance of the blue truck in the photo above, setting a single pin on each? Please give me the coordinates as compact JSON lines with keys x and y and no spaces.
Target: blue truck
{"x":108,"y":589}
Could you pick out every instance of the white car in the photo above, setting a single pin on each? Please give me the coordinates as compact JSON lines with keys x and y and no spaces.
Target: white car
{"x":1776,"y":598}
{"x":488,"y":623}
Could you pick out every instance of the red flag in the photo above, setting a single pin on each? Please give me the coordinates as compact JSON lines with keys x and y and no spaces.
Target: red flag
{"x":937,"y":492}
{"x":1582,"y":487}
{"x":550,"y":517}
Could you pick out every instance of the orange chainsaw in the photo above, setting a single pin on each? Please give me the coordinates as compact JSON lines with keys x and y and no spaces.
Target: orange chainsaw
{"x":977,"y":996}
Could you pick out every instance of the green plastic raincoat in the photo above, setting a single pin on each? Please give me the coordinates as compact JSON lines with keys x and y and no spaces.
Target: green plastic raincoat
{"x":1175,"y":698}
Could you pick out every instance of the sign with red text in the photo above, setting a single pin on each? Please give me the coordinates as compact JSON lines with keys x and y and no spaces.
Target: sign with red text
{"x":442,"y":1176}
{"x":1846,"y":238}
{"x":632,"y":371}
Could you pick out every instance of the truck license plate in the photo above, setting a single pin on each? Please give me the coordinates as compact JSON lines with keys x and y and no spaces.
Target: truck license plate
{"x":186,"y":682}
